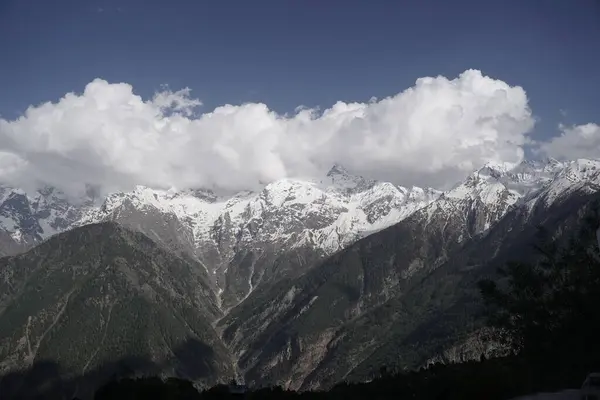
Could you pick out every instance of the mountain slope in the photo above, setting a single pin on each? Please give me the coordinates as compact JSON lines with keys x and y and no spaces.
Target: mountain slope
{"x":449,"y":294}
{"x":243,"y":240}
{"x":299,"y":295}
{"x":405,"y":294}
{"x":100,"y":293}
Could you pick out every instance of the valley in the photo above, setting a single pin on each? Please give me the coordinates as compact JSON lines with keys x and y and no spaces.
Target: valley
{"x":302,"y":284}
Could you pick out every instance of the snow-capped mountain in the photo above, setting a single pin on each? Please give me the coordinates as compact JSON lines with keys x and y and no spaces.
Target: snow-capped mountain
{"x":489,"y":193}
{"x":26,"y":220}
{"x":327,"y":214}
{"x":578,"y":175}
{"x":407,"y":292}
{"x":250,"y":238}
{"x":223,"y":232}
{"x":282,"y":311}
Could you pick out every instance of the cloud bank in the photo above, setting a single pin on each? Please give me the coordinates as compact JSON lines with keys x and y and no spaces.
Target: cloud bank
{"x":430,"y":134}
{"x":579,"y":141}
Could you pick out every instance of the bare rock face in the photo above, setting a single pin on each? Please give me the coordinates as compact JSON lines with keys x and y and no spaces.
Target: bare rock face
{"x":302,"y":284}
{"x":474,"y":346}
{"x":406,"y":295}
{"x":243,"y":240}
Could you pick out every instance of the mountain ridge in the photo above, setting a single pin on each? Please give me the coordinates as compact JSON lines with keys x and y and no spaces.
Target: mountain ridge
{"x":364,"y":305}
{"x":247,"y":239}
{"x":100,"y":293}
{"x":288,"y":312}
{"x":290,"y":214}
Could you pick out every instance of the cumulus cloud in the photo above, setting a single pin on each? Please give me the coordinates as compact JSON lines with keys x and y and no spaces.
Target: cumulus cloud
{"x":430,"y":134}
{"x":578,"y":141}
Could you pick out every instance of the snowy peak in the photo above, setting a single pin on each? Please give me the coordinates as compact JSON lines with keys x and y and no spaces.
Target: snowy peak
{"x":490,"y":192}
{"x":484,"y":184}
{"x":529,"y":168}
{"x":231,"y":235}
{"x":580,"y":170}
{"x":18,"y":218}
{"x":495,"y":169}
{"x":530,"y":176}
{"x":30,"y":219}
{"x":581,"y":174}
{"x":283,"y":210}
{"x":521,"y":180}
{"x":330,"y":213}
{"x":339,"y":178}
{"x":338,"y":170}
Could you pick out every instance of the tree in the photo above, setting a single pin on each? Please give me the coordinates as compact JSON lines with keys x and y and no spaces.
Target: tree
{"x":551,"y":308}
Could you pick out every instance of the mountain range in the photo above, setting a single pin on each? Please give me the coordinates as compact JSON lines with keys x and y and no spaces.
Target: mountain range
{"x":318,"y":217}
{"x":304,"y":283}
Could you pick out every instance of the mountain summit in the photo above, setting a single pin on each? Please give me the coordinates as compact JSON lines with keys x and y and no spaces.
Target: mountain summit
{"x":303,"y":283}
{"x":239,"y":239}
{"x":249,"y":239}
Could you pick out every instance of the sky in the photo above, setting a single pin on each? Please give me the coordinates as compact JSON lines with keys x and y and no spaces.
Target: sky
{"x":230,"y":93}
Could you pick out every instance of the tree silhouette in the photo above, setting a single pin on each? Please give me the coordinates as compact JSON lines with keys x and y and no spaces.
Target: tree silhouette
{"x":550,"y":309}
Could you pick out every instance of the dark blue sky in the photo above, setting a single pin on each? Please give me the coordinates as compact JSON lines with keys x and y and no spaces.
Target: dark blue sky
{"x":313,"y":52}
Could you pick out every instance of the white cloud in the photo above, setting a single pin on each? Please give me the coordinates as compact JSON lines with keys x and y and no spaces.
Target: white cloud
{"x":430,"y":134}
{"x":578,"y":141}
